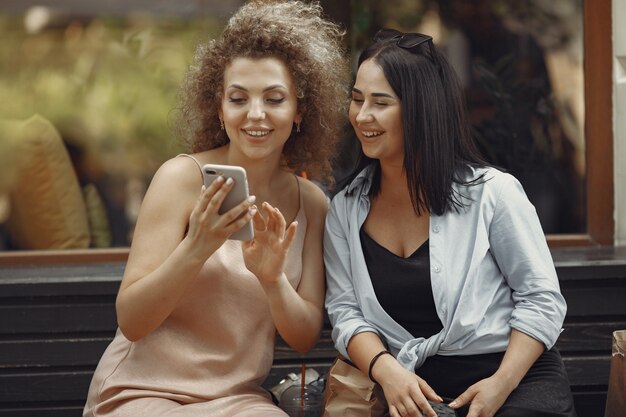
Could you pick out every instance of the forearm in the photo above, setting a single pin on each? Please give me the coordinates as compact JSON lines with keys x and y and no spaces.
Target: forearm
{"x":298,"y":320}
{"x":147,"y":301}
{"x":363,"y":347}
{"x":520,"y":355}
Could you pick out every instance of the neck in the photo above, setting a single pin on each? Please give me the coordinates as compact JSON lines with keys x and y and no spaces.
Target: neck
{"x":394,"y":187}
{"x":393,"y":181}
{"x":260,"y":172}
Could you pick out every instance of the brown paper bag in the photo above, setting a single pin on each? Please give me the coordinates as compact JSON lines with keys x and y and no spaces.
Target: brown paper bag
{"x":616,"y":398}
{"x":349,"y":392}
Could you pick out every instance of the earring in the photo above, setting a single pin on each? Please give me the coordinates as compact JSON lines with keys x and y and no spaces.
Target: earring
{"x":298,"y":127}
{"x":221,"y":123}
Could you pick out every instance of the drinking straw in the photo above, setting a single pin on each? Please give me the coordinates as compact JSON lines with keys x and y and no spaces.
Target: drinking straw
{"x":302,"y":384}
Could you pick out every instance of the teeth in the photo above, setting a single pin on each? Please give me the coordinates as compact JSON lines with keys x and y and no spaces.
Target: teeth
{"x":257,"y":133}
{"x":371,"y":134}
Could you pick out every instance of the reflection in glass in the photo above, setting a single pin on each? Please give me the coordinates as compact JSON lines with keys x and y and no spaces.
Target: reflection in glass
{"x":521,"y":65}
{"x":106,"y":78}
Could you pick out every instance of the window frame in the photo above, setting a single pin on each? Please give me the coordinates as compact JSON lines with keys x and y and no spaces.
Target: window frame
{"x":598,"y":61}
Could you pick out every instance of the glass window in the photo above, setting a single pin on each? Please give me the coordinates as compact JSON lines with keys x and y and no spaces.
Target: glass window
{"x":106,"y":76}
{"x":521,"y":64}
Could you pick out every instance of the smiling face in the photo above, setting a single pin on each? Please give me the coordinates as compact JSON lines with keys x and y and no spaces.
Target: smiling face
{"x":259,"y":106}
{"x":376,"y":115}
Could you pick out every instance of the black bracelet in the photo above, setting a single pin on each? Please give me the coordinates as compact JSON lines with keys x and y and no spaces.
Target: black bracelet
{"x":373,"y":362}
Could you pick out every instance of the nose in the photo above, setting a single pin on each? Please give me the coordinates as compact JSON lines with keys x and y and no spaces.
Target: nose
{"x":255,"y":112}
{"x":364,"y":116}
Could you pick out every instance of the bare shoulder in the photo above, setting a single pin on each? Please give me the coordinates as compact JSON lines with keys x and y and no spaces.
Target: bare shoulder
{"x":314,"y":200}
{"x":164,"y":214}
{"x":178,"y":179}
{"x":180,"y":170}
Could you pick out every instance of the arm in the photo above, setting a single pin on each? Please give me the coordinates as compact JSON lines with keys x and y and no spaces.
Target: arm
{"x":519,"y":247}
{"x":488,"y":395}
{"x":163,"y":260}
{"x":403,"y":389}
{"x":297,"y":314}
{"x":342,"y":305}
{"x":354,"y":337}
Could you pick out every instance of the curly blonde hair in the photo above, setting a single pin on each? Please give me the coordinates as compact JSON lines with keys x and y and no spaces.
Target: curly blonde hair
{"x":308,"y":45}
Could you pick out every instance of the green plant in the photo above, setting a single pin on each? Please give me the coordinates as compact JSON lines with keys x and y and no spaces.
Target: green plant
{"x":109,"y":85}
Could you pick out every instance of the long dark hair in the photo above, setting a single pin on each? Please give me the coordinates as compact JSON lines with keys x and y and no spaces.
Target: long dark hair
{"x":437,"y":134}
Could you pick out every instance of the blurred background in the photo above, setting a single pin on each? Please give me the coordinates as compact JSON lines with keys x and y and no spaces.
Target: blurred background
{"x":104,"y":77}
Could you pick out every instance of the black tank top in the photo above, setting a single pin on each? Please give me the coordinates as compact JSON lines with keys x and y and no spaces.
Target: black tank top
{"x":402,"y":286}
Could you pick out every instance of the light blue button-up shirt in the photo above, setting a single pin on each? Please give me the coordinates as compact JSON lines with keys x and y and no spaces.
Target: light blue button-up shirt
{"x":491,"y":271}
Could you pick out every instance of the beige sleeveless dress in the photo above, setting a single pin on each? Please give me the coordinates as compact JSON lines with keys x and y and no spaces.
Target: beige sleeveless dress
{"x":209,"y":357}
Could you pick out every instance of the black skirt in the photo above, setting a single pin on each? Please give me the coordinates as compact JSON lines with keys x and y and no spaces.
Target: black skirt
{"x":543,"y":392}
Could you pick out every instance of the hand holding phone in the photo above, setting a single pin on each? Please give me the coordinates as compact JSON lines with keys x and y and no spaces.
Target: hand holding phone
{"x":237,"y":194}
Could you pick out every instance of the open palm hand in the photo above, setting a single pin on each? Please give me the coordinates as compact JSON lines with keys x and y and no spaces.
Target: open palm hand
{"x":265,"y":255}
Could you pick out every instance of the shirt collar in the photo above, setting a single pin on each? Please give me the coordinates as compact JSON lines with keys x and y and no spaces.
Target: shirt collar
{"x":363,"y":181}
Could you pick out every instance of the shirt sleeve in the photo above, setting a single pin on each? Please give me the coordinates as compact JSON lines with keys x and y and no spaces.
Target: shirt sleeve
{"x":342,"y":305}
{"x":519,"y":246}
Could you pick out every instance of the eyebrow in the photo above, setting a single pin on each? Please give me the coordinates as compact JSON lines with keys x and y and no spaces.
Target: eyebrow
{"x":356,"y":90}
{"x":266,"y":89}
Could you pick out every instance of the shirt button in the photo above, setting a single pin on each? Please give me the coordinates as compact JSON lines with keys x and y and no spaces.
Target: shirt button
{"x":437,"y":269}
{"x":436,"y":229}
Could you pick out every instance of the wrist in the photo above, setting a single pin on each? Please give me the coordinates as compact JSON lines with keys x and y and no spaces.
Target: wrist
{"x":190,"y":251}
{"x":372,"y":370}
{"x":274,"y":285}
{"x":507,"y":379}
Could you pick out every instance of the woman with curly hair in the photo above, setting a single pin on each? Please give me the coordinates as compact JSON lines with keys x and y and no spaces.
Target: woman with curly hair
{"x":197,"y":311}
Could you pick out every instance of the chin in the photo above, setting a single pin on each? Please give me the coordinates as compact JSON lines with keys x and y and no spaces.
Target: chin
{"x":370,"y":153}
{"x":259,"y":153}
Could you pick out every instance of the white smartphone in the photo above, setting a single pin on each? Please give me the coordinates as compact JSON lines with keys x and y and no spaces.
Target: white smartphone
{"x":236,"y":195}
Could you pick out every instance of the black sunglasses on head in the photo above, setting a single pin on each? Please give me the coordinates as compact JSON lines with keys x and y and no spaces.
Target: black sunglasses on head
{"x":409,"y":40}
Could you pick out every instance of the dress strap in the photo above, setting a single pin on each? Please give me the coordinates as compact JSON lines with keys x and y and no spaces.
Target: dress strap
{"x":300,"y":201}
{"x":194,"y":160}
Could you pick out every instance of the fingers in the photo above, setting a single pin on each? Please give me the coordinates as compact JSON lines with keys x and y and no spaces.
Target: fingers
{"x":241,"y":220}
{"x":239,"y":211}
{"x":206,"y":211}
{"x":473,"y":411}
{"x":258,"y":221}
{"x":235,"y":218}
{"x":464,"y":398}
{"x":275,"y":220}
{"x":410,"y":409}
{"x":428,"y":391}
{"x":401,"y":411}
{"x":276,"y":223}
{"x":207,"y":193}
{"x":280,"y":221}
{"x":412,"y":404}
{"x":211,"y":197}
{"x":412,"y":399}
{"x":291,"y":234}
{"x":223,"y":189}
{"x":418,"y":399}
{"x":393,"y":411}
{"x":266,"y":219}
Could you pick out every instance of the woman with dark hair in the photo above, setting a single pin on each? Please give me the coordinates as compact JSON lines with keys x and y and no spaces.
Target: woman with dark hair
{"x":198,"y":312}
{"x":440,"y":281}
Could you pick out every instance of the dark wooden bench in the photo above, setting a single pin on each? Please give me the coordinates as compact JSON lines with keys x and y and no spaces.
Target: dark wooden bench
{"x":56,"y":320}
